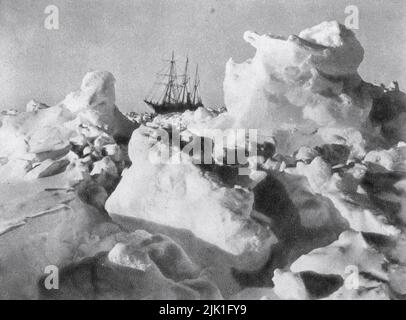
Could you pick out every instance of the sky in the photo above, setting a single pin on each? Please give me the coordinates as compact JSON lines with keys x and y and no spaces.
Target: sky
{"x":131,"y":37}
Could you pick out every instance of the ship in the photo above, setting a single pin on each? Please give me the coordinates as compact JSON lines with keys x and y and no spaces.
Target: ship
{"x":172,"y":93}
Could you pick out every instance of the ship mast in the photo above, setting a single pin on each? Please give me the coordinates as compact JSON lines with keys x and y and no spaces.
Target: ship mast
{"x":196,"y":87}
{"x":184,"y":91}
{"x":170,"y":91}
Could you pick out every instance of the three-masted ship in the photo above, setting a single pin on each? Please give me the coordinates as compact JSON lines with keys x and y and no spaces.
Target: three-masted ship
{"x":173,"y":93}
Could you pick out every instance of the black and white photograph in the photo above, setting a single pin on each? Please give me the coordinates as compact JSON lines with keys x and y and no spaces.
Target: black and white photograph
{"x":202,"y":150}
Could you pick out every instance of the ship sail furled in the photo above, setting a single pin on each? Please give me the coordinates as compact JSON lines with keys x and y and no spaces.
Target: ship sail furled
{"x":171,"y":93}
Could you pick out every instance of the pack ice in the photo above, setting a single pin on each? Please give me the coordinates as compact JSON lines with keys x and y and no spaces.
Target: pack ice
{"x":320,"y":213}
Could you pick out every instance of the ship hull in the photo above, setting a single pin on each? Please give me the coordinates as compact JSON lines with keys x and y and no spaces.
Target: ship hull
{"x":173,"y":107}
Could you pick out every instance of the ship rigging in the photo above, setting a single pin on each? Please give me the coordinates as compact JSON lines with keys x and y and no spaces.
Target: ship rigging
{"x":173,"y":93}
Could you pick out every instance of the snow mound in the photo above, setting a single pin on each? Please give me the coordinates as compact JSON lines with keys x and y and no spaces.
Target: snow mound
{"x":299,"y":84}
{"x":340,"y":51}
{"x":350,"y":249}
{"x":180,"y":196}
{"x":49,"y":133}
{"x":94,"y":104}
{"x":136,"y":268}
{"x":349,"y":268}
